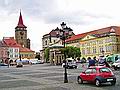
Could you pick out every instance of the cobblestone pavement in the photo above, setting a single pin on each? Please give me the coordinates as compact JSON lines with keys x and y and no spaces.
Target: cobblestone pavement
{"x":46,"y":77}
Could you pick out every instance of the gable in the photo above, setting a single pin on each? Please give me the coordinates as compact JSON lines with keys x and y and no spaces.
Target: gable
{"x":87,"y":37}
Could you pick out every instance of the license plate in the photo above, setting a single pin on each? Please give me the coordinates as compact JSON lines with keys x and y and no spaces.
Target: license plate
{"x":109,"y":79}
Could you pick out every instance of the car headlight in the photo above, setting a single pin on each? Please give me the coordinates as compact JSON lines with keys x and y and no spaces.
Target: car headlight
{"x":118,"y":65}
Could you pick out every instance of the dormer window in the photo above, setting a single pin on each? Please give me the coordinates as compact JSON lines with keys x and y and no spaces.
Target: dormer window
{"x":112,"y":30}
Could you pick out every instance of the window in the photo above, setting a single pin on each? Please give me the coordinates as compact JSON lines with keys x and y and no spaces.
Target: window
{"x":105,"y":70}
{"x":16,"y":50}
{"x":83,"y":51}
{"x":88,"y":50}
{"x":11,"y":50}
{"x":94,"y":70}
{"x":100,"y":41}
{"x":94,"y":49}
{"x":101,"y":49}
{"x":16,"y":55}
{"x":88,"y":71}
{"x":2,"y":53}
{"x":46,"y":42}
{"x":11,"y":56}
{"x":54,"y":41}
{"x":117,"y":39}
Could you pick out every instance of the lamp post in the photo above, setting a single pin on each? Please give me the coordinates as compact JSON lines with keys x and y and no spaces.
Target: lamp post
{"x":20,"y":57}
{"x":8,"y":57}
{"x":62,"y":33}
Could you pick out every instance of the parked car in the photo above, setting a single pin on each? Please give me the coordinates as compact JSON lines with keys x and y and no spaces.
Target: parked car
{"x":81,"y":61}
{"x":70,"y":63}
{"x":97,"y":75}
{"x":3,"y":64}
{"x":19,"y":63}
{"x":116,"y":65}
{"x":35,"y":61}
{"x":24,"y":61}
{"x":40,"y":61}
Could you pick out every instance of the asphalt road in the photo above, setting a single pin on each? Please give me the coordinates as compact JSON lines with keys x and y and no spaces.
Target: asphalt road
{"x":47,"y":77}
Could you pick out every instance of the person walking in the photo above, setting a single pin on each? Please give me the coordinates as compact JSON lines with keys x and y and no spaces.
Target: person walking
{"x":91,"y":62}
{"x":101,"y":61}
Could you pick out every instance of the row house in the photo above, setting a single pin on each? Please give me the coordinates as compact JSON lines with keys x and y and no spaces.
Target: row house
{"x":3,"y":52}
{"x":27,"y":53}
{"x":14,"y":50}
{"x":13,"y":47}
{"x":98,"y":42}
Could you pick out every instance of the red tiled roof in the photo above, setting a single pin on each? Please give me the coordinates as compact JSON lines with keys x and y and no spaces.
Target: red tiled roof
{"x":10,"y":42}
{"x":20,"y":22}
{"x":53,"y":33}
{"x":95,"y":32}
{"x":24,"y":49}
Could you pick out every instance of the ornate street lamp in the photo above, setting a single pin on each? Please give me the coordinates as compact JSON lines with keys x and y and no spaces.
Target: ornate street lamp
{"x":8,"y":58}
{"x":62,"y":34}
{"x":20,"y":57}
{"x":63,"y":25}
{"x":65,"y":73}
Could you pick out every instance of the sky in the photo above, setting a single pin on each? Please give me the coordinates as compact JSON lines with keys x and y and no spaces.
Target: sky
{"x":41,"y":16}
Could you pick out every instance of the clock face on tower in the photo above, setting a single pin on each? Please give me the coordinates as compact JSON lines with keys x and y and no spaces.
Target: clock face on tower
{"x":21,"y":33}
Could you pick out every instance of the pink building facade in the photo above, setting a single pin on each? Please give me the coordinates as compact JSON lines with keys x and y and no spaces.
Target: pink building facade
{"x":3,"y":52}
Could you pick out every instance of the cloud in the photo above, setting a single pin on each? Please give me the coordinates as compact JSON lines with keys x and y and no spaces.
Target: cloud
{"x":30,"y":7}
{"x":41,"y":16}
{"x":48,"y":11}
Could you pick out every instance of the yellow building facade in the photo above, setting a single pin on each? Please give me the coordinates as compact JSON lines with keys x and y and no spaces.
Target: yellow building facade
{"x":98,"y":42}
{"x":91,"y":46}
{"x":27,"y":53}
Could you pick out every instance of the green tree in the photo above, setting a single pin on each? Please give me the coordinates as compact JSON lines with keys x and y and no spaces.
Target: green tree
{"x":71,"y":51}
{"x":46,"y":55}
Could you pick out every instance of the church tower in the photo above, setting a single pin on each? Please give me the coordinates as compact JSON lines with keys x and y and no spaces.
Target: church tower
{"x":21,"y":33}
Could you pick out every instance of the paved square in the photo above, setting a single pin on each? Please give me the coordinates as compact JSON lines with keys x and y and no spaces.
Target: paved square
{"x":6,"y":78}
{"x":18,"y":83}
{"x":46,"y":77}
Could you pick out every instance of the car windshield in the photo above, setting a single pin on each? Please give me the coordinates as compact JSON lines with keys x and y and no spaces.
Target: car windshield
{"x":105,"y":70}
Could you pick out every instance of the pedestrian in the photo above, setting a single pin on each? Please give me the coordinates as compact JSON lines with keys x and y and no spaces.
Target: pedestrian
{"x":101,"y":61}
{"x":96,"y":61}
{"x":91,"y":62}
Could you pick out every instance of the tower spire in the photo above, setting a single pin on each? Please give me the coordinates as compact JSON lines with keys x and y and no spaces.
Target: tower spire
{"x":20,"y":22}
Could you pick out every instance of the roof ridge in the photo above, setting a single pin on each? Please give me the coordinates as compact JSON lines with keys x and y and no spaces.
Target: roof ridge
{"x":97,"y":31}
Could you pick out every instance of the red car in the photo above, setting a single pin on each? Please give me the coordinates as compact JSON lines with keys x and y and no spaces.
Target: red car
{"x":97,"y":75}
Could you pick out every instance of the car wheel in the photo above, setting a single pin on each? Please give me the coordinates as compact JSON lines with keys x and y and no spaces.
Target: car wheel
{"x":79,"y":80}
{"x":75,"y":67}
{"x":115,"y":68}
{"x":97,"y":82}
{"x":113,"y":83}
